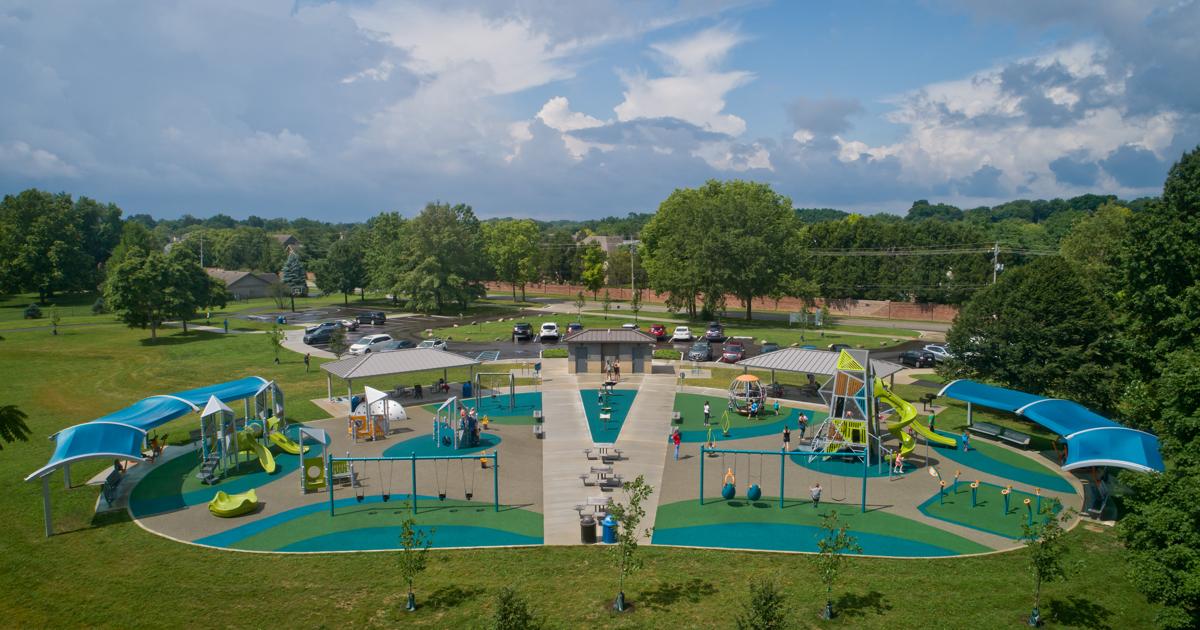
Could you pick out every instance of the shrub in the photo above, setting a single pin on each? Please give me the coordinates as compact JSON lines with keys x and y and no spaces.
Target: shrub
{"x":554,"y":353}
{"x":766,"y":609}
{"x":668,"y":354}
{"x":98,"y":307}
{"x":33,"y":311}
{"x":513,"y":612}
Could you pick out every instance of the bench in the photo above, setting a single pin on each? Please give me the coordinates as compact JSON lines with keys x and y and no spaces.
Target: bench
{"x":109,"y":489}
{"x":1000,"y":433}
{"x":928,"y":399}
{"x":611,"y":483}
{"x":676,"y":417}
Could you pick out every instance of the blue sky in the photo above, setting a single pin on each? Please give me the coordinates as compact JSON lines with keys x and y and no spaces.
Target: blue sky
{"x":339,"y":110}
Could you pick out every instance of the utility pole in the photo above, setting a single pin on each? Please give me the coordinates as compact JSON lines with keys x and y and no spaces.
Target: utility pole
{"x":995,"y":261}
{"x":202,"y":250}
{"x":632,"y":278}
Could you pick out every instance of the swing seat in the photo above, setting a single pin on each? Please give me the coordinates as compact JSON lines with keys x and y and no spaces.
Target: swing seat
{"x":728,"y":491}
{"x":754,"y":493}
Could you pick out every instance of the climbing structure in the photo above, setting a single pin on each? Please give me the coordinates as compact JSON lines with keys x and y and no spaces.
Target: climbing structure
{"x":847,"y":430}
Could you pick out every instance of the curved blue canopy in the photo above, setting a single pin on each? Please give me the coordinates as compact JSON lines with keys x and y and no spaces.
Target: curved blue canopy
{"x":91,"y":440}
{"x":121,"y":433}
{"x":1092,"y":439}
{"x":1114,"y":446}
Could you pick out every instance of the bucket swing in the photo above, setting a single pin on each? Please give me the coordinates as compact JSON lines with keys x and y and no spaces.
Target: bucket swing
{"x":754,"y":492}
{"x":359,"y":491}
{"x":468,"y":490}
{"x":729,"y":490}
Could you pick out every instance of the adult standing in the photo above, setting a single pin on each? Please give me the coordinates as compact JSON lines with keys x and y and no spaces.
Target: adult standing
{"x":617,"y":369}
{"x":307,"y":360}
{"x":815,"y":493}
{"x":707,"y":414}
{"x":787,"y":438}
{"x":803,"y":424}
{"x":966,"y":441}
{"x":676,"y":438}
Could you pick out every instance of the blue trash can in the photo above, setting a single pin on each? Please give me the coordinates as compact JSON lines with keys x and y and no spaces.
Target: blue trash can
{"x":466,"y":390}
{"x":610,"y":529}
{"x":281,"y":320}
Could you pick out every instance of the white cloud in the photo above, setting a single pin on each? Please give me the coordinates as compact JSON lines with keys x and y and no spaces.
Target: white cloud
{"x":556,"y":114}
{"x":19,"y":157}
{"x":694,"y":90}
{"x":380,"y":72}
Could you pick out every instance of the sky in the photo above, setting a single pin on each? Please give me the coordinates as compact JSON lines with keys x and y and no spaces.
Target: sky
{"x":338,"y":110}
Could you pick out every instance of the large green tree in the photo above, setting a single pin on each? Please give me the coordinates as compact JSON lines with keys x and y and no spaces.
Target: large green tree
{"x":146,"y":289}
{"x":1040,"y":329}
{"x":512,"y":251}
{"x":439,"y":259}
{"x":342,"y":270}
{"x":593,"y":268}
{"x":48,"y":243}
{"x":1094,"y":244}
{"x":295,"y":277}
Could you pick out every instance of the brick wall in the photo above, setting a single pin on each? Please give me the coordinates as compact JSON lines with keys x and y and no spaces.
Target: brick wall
{"x":844,"y":308}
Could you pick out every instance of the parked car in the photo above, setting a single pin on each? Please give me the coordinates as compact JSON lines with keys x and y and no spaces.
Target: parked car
{"x":574,"y":327}
{"x":522,"y":331}
{"x":350,"y":324}
{"x":916,"y":358}
{"x":369,"y":343}
{"x":372,"y":317}
{"x":682,"y":333}
{"x":659,"y":331}
{"x":838,"y":347}
{"x":549,"y":332}
{"x":321,"y":333}
{"x":435,"y":343}
{"x":700,"y":351}
{"x":808,"y":347}
{"x":715,"y":332}
{"x":629,"y":326}
{"x":733,"y":351}
{"x":769,"y":346}
{"x":315,"y":327}
{"x":940,"y":353}
{"x":393,"y":345}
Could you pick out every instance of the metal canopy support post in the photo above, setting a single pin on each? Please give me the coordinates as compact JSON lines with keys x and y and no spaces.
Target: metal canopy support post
{"x":414,"y":481}
{"x":329,"y":385}
{"x":782,"y":461}
{"x":67,"y":476}
{"x":968,"y":413}
{"x":46,"y":505}
{"x":703,"y":451}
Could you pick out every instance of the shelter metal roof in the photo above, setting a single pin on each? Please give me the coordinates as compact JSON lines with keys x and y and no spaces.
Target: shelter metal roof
{"x":397,"y":362}
{"x":108,"y":440}
{"x":609,"y":335}
{"x":810,"y":362}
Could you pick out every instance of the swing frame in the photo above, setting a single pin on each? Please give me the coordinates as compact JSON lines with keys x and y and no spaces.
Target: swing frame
{"x":783,"y":455}
{"x":413,"y":459}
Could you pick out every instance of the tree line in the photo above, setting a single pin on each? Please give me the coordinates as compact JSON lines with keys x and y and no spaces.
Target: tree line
{"x":1111,"y":321}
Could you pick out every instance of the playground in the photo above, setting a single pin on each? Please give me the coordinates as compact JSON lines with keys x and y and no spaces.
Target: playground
{"x":487,"y":463}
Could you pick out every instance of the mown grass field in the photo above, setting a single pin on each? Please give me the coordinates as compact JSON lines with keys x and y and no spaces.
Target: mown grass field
{"x":107,"y":572}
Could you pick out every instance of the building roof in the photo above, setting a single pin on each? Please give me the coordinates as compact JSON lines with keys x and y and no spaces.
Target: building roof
{"x":810,"y":362}
{"x":609,"y":335}
{"x":232,"y":277}
{"x":284,"y":238}
{"x":397,"y":362}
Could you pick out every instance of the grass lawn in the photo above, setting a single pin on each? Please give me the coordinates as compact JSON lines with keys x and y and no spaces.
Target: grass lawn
{"x":106,"y":571}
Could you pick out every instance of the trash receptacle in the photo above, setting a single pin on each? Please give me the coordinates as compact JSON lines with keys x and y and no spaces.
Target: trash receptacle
{"x":587,"y":530}
{"x":281,"y":320}
{"x":466,"y":390}
{"x":610,"y":529}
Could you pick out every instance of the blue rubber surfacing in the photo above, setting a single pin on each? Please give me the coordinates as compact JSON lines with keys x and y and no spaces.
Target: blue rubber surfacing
{"x":620,"y":401}
{"x":784,"y":537}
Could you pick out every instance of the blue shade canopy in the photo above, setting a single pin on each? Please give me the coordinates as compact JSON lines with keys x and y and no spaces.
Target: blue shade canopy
{"x":93,"y":440}
{"x":1121,"y":447}
{"x":121,"y":433}
{"x":1092,"y":439}
{"x":155,"y":411}
{"x":988,"y":395}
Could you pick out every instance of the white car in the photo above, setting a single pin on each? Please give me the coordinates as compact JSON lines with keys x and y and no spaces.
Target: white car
{"x":940,"y":353}
{"x":365,"y":345}
{"x":435,"y":343}
{"x":549,"y":331}
{"x":682,"y":333}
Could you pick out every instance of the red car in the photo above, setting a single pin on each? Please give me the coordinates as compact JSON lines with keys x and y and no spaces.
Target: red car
{"x":659,"y":331}
{"x":733,"y":351}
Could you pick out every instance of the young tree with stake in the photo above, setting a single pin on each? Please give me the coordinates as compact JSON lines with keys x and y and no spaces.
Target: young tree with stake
{"x":414,"y":546}
{"x":1047,"y":552}
{"x":832,"y":547}
{"x":628,"y":516}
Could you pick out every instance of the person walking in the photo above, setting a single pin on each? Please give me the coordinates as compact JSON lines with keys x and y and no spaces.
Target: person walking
{"x":898,"y":467}
{"x":227,"y":325}
{"x":803,"y":424}
{"x":676,"y":438}
{"x":707,"y":414}
{"x":787,"y":438}
{"x":307,"y":359}
{"x":815,"y":493}
{"x":966,"y":441}
{"x":617,"y":369}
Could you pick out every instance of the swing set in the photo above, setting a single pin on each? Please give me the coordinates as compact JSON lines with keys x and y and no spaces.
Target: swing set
{"x":441,"y":475}
{"x":494,"y":392}
{"x":729,"y":488}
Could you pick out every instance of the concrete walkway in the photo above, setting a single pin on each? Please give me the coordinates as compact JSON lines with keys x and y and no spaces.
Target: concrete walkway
{"x":562,"y":454}
{"x":643,"y":438}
